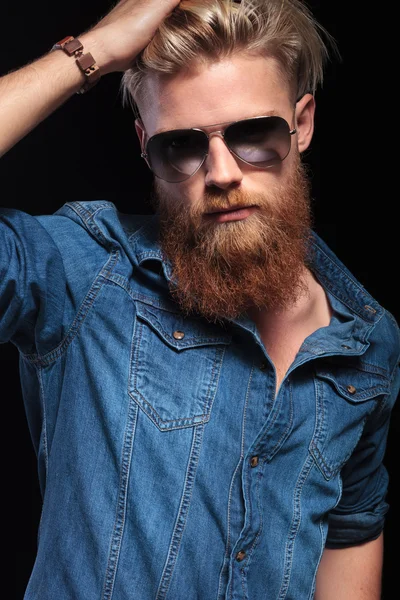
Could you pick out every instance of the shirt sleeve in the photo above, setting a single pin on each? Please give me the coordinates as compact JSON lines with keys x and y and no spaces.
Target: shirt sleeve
{"x":360,"y":514}
{"x":32,"y":282}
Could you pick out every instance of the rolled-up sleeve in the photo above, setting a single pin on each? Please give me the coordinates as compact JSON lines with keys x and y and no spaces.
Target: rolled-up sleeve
{"x":360,"y":514}
{"x":32,"y":280}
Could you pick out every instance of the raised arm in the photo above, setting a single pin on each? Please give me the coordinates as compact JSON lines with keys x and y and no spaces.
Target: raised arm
{"x":32,"y":93}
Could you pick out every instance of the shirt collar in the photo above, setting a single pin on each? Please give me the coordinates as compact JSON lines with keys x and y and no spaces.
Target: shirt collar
{"x":346,"y":294}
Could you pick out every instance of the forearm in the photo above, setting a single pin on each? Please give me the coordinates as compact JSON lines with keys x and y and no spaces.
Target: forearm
{"x":32,"y":93}
{"x":351,"y":573}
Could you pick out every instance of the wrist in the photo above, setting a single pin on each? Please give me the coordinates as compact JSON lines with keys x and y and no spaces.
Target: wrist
{"x":94,"y":44}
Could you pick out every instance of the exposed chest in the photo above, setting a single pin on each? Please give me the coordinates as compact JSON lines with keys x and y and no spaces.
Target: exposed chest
{"x":282,"y":349}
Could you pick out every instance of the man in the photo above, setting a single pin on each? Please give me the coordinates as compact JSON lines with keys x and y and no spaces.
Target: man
{"x":209,"y":389}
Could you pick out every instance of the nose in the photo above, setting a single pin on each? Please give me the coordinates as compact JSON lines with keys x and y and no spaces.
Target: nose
{"x":222,"y":168}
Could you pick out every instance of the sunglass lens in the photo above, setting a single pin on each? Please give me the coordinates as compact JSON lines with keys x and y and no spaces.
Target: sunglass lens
{"x":263,"y":141}
{"x":175,"y":156}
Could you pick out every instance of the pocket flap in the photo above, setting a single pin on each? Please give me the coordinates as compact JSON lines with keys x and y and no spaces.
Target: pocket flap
{"x":179,"y":332}
{"x":356,"y":384}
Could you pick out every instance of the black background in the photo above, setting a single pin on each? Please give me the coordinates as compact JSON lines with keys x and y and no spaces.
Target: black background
{"x":88,"y":150}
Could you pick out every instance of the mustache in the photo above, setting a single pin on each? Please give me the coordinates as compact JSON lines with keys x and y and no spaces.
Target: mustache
{"x":225,"y":208}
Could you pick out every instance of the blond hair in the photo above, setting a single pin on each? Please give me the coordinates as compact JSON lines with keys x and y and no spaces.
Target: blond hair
{"x":206,"y":31}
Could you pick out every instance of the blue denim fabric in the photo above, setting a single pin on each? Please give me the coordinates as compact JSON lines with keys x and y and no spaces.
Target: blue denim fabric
{"x":146,"y":437}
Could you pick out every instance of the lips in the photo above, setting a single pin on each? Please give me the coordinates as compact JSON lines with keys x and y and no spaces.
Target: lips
{"x":230,"y":209}
{"x":236,"y":213}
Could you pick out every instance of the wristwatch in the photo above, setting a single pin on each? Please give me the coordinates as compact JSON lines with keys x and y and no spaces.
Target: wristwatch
{"x":87,"y":64}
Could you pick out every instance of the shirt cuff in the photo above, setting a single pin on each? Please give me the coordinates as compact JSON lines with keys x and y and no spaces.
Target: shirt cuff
{"x":354,"y":529}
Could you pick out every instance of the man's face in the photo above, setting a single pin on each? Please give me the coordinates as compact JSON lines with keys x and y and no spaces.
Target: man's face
{"x":234,"y":233}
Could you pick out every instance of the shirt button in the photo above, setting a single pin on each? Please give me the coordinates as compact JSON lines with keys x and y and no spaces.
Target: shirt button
{"x":370,"y":309}
{"x":351,"y":389}
{"x":254,"y":461}
{"x":240,"y":555}
{"x":178,"y":335}
{"x":263,"y":366}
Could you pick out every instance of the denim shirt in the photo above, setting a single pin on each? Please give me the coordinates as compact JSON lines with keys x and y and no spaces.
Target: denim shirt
{"x":169,"y":466}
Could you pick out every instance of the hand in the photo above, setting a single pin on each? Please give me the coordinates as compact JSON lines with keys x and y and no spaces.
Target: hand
{"x":119,"y":37}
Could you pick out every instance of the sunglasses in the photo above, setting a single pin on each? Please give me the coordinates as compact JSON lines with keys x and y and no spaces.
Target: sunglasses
{"x":176,"y":155}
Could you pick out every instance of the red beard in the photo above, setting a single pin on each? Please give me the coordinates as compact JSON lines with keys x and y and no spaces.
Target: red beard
{"x":221,"y":270}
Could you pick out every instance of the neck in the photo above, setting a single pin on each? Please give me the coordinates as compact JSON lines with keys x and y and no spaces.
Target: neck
{"x":283,"y":332}
{"x":311,"y":310}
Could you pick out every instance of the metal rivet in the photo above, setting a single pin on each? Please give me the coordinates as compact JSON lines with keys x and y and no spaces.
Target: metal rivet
{"x":351,"y":389}
{"x":240,"y":555}
{"x":254,"y":461}
{"x":178,"y":335}
{"x":367,"y":307}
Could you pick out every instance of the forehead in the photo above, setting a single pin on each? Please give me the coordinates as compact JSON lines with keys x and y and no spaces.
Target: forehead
{"x":230,"y":90}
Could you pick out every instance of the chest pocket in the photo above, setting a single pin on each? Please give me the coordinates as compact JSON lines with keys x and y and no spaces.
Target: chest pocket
{"x":345,"y":397}
{"x":175,"y":367}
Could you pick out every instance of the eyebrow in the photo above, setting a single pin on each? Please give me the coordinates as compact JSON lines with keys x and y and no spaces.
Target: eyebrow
{"x":268,"y":113}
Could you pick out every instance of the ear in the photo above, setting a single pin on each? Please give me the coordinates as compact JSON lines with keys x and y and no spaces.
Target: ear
{"x":305,"y":110}
{"x":141,"y":133}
